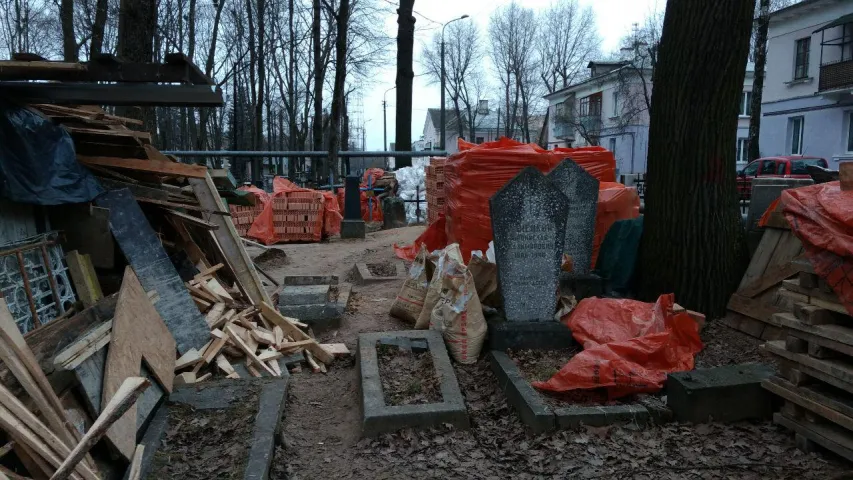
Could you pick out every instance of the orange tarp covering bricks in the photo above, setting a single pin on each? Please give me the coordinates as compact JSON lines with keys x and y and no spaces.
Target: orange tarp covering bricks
{"x":296,"y":214}
{"x":476,"y":172}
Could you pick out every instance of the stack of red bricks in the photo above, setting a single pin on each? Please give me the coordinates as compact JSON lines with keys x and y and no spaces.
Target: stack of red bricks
{"x":244,"y":216}
{"x":435,"y":188}
{"x":298,"y":216}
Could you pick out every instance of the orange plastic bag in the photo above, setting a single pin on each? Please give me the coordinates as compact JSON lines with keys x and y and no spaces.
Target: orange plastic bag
{"x":433,"y":239}
{"x":821,"y":216}
{"x":629,"y":346}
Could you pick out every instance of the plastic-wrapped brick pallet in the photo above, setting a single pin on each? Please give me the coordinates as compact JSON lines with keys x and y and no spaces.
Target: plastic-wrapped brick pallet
{"x":412,"y":182}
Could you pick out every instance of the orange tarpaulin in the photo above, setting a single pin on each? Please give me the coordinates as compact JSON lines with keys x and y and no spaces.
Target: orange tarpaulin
{"x":629,"y":346}
{"x":264,"y":226}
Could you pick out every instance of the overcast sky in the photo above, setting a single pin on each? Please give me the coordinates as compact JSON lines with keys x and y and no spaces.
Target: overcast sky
{"x":614,"y":18}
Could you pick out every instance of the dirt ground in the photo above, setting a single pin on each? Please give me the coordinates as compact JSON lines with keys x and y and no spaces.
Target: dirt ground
{"x":321,"y":435}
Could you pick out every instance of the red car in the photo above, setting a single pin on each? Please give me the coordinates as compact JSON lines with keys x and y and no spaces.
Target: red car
{"x":791,"y":166}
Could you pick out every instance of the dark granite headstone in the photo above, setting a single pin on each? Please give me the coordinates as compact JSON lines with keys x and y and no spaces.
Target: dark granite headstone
{"x":528,"y":224}
{"x":352,"y":199}
{"x":581,"y":190}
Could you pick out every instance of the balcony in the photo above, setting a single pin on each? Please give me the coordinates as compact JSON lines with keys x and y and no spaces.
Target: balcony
{"x":564,"y":130}
{"x":836,"y":76}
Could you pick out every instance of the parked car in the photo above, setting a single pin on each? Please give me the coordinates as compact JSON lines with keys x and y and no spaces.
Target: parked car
{"x":791,"y":166}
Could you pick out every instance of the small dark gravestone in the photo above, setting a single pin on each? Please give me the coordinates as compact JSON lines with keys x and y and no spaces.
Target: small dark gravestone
{"x":581,"y":190}
{"x":529,"y":224}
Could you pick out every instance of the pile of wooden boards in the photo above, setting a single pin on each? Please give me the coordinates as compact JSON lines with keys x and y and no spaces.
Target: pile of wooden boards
{"x":258,"y":335}
{"x":757,"y":299}
{"x":816,"y":360}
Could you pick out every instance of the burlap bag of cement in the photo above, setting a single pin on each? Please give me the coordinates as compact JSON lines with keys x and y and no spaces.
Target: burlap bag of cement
{"x":458,"y":315}
{"x":446,"y":258}
{"x":410,"y":301}
{"x":485,"y":275}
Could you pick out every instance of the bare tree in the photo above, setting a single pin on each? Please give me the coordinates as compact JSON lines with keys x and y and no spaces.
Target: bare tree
{"x":405,"y":76}
{"x":512,"y":35}
{"x":567,"y":40}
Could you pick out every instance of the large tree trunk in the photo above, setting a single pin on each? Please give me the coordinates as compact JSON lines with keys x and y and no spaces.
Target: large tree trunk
{"x":204,"y":113}
{"x":262,"y":76}
{"x":98,"y":28}
{"x":405,"y":75}
{"x":340,"y":80}
{"x":136,"y":26}
{"x":291,"y":93}
{"x":69,"y":42}
{"x":693,"y":239}
{"x":762,"y":26}
{"x":317,"y":128}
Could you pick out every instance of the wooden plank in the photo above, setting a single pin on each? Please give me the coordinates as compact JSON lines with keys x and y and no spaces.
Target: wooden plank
{"x":263,"y":338}
{"x":833,"y":372}
{"x":197,"y":222}
{"x":794,"y":286}
{"x":209,"y":271}
{"x":135,"y":469}
{"x":290,"y":329}
{"x":336,"y":349}
{"x":90,"y":377}
{"x":77,"y":348}
{"x":224,"y":365}
{"x":186,"y":206}
{"x":831,"y":438}
{"x":836,"y":410}
{"x":139,"y":333}
{"x":214,"y":314}
{"x":229,"y":241}
{"x":36,"y":435}
{"x":123,"y":400}
{"x":135,"y":188}
{"x":762,"y":256}
{"x":24,"y":366}
{"x":188,"y":359}
{"x":834,"y":337}
{"x":758,"y":309}
{"x":155,"y":270}
{"x":84,"y":278}
{"x":778,"y":267}
{"x":269,"y":354}
{"x":171,"y":169}
{"x":214,"y":286}
{"x":250,"y":355}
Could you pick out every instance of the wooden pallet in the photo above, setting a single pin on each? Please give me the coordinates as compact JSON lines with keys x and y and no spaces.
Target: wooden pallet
{"x":756,"y":300}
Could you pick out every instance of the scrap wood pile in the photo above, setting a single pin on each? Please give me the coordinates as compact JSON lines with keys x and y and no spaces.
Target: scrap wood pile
{"x":180,"y":296}
{"x":816,"y":353}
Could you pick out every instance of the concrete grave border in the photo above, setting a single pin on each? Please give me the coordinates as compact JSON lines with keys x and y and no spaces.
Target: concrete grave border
{"x":540,"y":418}
{"x":363,"y":275}
{"x":222,"y":394}
{"x":320,"y":316}
{"x":381,"y":418}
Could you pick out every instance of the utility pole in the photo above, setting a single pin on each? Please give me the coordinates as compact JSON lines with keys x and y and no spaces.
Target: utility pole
{"x":384,"y":120}
{"x":441,"y":138}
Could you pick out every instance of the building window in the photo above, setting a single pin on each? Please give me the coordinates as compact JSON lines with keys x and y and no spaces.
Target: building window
{"x":611,"y":145}
{"x":616,"y":104}
{"x":801,"y":59}
{"x":590,"y":106}
{"x":795,"y":128}
{"x":850,"y":132}
{"x":847,"y":42}
{"x":745,"y":104}
{"x":742,"y":150}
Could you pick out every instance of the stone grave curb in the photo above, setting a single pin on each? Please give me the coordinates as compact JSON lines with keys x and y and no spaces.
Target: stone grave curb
{"x":300,"y":280}
{"x":540,"y":418}
{"x":219,"y":395}
{"x":380,"y":418}
{"x":319,"y":316}
{"x":363,"y":275}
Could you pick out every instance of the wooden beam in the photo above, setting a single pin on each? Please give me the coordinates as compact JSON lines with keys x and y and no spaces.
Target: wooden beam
{"x":170,"y":205}
{"x":229,"y":241}
{"x":120,"y":403}
{"x":248,"y":351}
{"x":136,"y":463}
{"x":195,"y":221}
{"x":154,"y":166}
{"x":84,"y":278}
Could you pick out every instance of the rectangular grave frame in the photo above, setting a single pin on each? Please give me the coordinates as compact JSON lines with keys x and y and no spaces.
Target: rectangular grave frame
{"x":539,"y":417}
{"x":380,"y":418}
{"x":320,"y":316}
{"x":363,"y":275}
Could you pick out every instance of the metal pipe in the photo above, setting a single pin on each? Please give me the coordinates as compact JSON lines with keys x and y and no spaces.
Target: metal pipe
{"x":286,"y":153}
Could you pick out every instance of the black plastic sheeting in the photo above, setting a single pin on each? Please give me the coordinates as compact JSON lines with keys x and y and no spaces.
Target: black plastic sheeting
{"x":37,"y":161}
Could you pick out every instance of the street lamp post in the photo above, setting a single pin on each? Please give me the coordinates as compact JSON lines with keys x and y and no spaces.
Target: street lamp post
{"x":441,"y":138}
{"x":384,"y":120}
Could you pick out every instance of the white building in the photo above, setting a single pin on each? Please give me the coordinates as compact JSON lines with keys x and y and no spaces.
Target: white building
{"x":807,"y":103}
{"x":488,"y":127}
{"x":610,"y":109}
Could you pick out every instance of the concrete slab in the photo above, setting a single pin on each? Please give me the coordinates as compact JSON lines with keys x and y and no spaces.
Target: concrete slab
{"x":601,"y":415}
{"x":363,"y":276}
{"x":724,"y":394}
{"x":549,"y":335}
{"x":304,"y":294}
{"x":310,"y":280}
{"x":270,"y":395}
{"x":381,"y":418}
